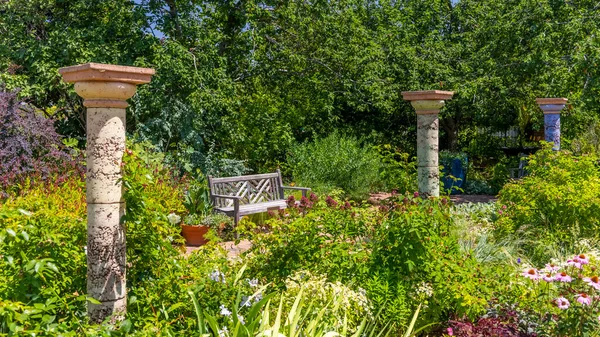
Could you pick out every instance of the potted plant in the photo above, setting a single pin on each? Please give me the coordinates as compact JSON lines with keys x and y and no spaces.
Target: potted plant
{"x":197,"y":202}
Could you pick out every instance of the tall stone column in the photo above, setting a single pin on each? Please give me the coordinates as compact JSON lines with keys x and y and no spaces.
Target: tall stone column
{"x":105,"y":89}
{"x":427,"y":105}
{"x":551,"y":108}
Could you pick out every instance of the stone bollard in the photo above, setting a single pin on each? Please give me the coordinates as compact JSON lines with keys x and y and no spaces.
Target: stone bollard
{"x":105,"y":89}
{"x":551,"y":108}
{"x":427,"y":105}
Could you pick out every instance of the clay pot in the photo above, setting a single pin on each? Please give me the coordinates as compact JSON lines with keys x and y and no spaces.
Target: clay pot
{"x":194,"y":235}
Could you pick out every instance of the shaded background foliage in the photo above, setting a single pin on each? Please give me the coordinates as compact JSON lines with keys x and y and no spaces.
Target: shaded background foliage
{"x":250,"y":78}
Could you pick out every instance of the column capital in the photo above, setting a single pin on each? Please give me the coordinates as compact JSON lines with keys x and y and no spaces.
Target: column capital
{"x":428,"y":101}
{"x":551,"y":105}
{"x":105,"y":85}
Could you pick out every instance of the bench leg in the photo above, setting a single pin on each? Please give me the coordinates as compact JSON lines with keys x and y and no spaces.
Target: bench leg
{"x":236,"y":221}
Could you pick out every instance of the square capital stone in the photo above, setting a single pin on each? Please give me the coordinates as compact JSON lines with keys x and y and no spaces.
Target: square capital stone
{"x":426,"y":95}
{"x":551,"y":101}
{"x":99,"y":72}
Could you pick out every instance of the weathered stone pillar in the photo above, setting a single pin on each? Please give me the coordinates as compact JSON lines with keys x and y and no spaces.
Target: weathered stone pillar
{"x":427,"y":105}
{"x":551,"y":108}
{"x":105,"y":89}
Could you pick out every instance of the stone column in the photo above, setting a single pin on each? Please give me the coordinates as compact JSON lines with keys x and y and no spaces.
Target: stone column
{"x":427,"y":105}
{"x":105,"y":89}
{"x":551,"y":108}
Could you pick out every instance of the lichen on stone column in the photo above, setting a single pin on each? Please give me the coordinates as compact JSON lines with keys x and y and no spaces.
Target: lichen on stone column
{"x":105,"y":89}
{"x":427,"y":105}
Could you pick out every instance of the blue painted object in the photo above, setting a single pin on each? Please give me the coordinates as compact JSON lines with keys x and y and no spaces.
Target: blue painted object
{"x":552,"y":129}
{"x":458,"y":170}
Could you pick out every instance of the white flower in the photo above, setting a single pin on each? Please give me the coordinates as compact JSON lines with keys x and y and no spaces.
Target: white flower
{"x":217,"y":276}
{"x":224,"y":332}
{"x":85,"y":249}
{"x":225,"y":311}
{"x":246,"y":301}
{"x":241,"y":319}
{"x":253,"y":283}
{"x":174,"y":219}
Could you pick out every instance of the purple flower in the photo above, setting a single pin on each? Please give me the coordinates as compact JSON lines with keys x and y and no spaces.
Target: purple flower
{"x":576,"y":262}
{"x":548,"y":277}
{"x":562,"y":303}
{"x":563,"y":277}
{"x":584,"y":299}
{"x":552,"y":268}
{"x":416,"y":194}
{"x":583,"y":259}
{"x":519,"y":260}
{"x":217,"y":276}
{"x":330,"y":202}
{"x":593,"y":281}
{"x":531,"y":274}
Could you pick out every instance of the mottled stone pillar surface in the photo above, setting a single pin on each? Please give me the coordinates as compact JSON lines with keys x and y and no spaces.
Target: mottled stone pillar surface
{"x":105,"y":89}
{"x":427,"y":105}
{"x":552,"y":108}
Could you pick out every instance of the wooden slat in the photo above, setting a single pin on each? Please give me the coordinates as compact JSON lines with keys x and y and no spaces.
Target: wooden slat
{"x":244,"y":178}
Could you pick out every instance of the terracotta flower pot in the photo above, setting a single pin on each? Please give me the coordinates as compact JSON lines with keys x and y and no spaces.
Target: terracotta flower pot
{"x":194,"y":235}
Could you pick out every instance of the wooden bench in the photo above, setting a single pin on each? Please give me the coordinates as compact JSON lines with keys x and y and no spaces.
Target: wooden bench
{"x":251,"y":194}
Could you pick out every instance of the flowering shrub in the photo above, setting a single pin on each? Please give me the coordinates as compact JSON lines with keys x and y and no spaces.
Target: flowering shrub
{"x":402,"y":254}
{"x":568,"y":295}
{"x":557,"y":203}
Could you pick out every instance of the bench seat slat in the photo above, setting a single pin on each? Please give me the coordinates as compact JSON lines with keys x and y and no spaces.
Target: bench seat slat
{"x":255,"y":208}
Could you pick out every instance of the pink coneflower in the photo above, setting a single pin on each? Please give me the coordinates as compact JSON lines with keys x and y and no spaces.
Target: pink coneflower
{"x":562,"y":303}
{"x":593,"y":281}
{"x":583,"y":259}
{"x":531,"y":274}
{"x":563,"y":277}
{"x":584,"y":299}
{"x":575,"y":262}
{"x":548,"y":277}
{"x":552,"y":268}
{"x":450,"y":332}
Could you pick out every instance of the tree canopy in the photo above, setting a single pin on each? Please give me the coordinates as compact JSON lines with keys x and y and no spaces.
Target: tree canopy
{"x":247,"y":78}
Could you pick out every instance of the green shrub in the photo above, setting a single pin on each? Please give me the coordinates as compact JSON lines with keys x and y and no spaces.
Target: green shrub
{"x":336,"y":161}
{"x":398,"y":171}
{"x":558,"y":202}
{"x":392,"y":252}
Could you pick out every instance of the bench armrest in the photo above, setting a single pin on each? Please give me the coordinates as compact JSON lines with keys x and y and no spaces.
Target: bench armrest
{"x":303,"y":189}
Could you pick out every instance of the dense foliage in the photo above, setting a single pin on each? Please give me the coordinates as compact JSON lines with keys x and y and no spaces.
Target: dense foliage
{"x":402,"y":254}
{"x":556,"y":204}
{"x":247,"y":79}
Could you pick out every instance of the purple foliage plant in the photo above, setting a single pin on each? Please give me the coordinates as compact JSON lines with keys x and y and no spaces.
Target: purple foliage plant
{"x":30,"y":147}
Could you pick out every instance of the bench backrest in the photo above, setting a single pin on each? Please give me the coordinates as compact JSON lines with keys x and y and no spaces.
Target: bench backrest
{"x":251,"y":188}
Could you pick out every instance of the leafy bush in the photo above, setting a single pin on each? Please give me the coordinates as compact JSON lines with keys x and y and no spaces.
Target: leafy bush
{"x":556,"y":203}
{"x":589,"y":141}
{"x":504,"y":324}
{"x":398,"y":171}
{"x":403,"y":254}
{"x":336,"y":161}
{"x":30,"y":148}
